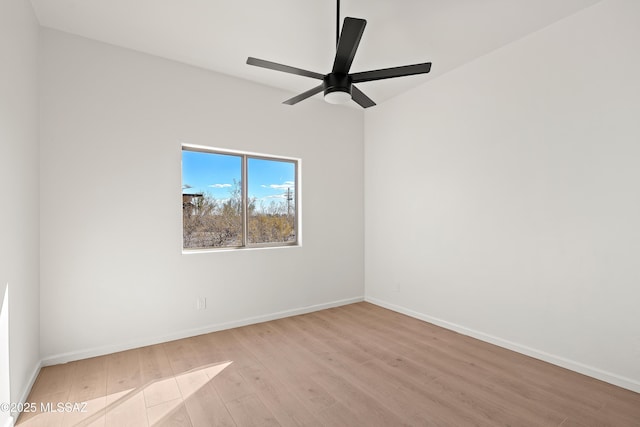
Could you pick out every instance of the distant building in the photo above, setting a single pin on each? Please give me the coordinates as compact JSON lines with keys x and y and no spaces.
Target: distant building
{"x":190,"y":200}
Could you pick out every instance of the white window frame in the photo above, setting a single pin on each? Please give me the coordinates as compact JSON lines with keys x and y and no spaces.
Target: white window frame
{"x":245,"y":156}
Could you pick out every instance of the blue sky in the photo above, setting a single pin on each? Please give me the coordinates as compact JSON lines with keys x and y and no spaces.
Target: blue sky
{"x":214,"y":174}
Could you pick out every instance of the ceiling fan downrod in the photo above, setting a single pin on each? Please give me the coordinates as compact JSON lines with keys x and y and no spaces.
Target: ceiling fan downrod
{"x":337,"y":86}
{"x":337,"y":23}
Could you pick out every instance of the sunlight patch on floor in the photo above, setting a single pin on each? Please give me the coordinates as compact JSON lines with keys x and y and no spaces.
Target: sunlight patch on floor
{"x":147,"y":405}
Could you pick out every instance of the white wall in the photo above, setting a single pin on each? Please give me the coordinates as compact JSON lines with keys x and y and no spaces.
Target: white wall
{"x":19,"y":188}
{"x":113,"y":274}
{"x":502,"y":199}
{"x":5,"y":367}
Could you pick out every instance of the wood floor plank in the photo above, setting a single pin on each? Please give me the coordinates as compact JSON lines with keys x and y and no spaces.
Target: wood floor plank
{"x":367,"y":409}
{"x":366,"y":378}
{"x":182,"y":355}
{"x":53,"y":379}
{"x":293,"y":373}
{"x":283,"y":404}
{"x":169,"y":414}
{"x":231,"y":385}
{"x":52,"y":386}
{"x":249,"y":411}
{"x":93,"y":414}
{"x":154,"y":363}
{"x":126,"y":409}
{"x":89,"y":379}
{"x":160,"y":391}
{"x":204,"y":406}
{"x":338,"y":415}
{"x":346,"y":366}
{"x":123,"y":371}
{"x":387,"y":390}
{"x":222,"y":347}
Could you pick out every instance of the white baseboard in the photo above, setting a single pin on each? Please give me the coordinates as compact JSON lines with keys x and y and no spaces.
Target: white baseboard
{"x":25,"y":393}
{"x":590,"y":371}
{"x":32,"y":380}
{"x":100,"y":351}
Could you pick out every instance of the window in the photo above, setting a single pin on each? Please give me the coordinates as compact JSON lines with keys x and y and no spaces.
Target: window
{"x":235,"y":200}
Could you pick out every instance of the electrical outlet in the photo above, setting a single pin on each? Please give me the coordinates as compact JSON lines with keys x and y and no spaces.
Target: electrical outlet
{"x":201,"y":303}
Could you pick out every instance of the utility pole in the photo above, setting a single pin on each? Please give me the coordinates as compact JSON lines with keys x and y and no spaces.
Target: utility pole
{"x":289,"y":200}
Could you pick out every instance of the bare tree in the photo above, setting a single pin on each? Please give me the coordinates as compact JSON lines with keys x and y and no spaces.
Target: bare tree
{"x":209,"y":222}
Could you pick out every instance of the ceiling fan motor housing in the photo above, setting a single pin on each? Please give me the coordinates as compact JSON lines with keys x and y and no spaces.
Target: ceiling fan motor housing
{"x":335,"y":82}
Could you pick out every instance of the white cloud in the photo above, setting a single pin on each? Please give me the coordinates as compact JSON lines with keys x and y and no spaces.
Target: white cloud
{"x":283,"y":186}
{"x":220,"y":185}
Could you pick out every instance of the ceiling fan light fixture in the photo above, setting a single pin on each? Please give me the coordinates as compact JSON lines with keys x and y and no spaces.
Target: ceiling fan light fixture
{"x":337,"y":97}
{"x":337,"y":88}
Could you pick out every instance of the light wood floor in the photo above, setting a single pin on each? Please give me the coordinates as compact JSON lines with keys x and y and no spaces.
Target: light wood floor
{"x":357,"y":365}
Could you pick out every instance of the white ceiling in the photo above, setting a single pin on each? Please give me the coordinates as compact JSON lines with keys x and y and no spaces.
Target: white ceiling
{"x":220,"y":35}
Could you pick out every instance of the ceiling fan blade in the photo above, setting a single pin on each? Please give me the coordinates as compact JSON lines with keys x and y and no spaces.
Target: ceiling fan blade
{"x":304,"y":95}
{"x":352,"y":30}
{"x":285,"y":68}
{"x":389,"y":73}
{"x":363,"y":100}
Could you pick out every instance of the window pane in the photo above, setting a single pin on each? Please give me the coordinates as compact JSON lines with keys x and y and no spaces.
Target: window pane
{"x":211,"y":200}
{"x":271,"y":203}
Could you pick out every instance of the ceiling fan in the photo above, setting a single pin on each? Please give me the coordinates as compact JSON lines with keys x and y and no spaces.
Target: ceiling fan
{"x":338,"y":84}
